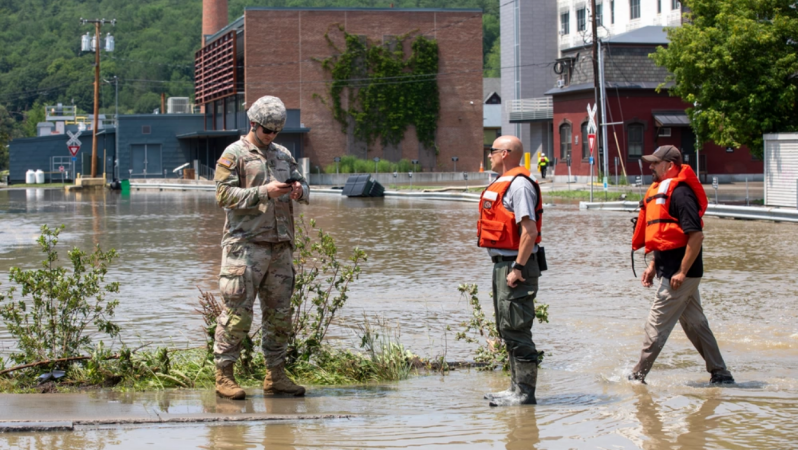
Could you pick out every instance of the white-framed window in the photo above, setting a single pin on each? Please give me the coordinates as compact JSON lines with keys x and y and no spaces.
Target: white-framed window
{"x":581,"y":19}
{"x":634,"y":140}
{"x":675,"y":4}
{"x":565,"y":24}
{"x":664,"y":132}
{"x":634,"y":9}
{"x":599,"y":14}
{"x":612,"y":12}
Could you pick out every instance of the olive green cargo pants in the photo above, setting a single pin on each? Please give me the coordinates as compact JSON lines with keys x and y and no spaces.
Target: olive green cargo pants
{"x":515,"y":308}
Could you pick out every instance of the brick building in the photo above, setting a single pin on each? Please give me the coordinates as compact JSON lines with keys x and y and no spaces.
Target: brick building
{"x":643,"y":118}
{"x":277,"y":51}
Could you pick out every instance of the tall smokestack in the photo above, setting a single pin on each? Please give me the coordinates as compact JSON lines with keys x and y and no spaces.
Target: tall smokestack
{"x":214,"y":17}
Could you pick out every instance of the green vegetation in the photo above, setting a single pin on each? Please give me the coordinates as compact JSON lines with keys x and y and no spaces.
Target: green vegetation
{"x":384,"y":91}
{"x":51,"y":329}
{"x":353,"y":164}
{"x":41,"y":61}
{"x":54,"y":323}
{"x":598,"y":195}
{"x":736,"y":60}
{"x":491,"y":351}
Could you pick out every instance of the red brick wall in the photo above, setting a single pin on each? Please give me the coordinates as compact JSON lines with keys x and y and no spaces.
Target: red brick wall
{"x":638,"y":106}
{"x":282,"y":46}
{"x":214,"y":16}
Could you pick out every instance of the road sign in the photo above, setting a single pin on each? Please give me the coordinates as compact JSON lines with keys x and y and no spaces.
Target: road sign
{"x":606,"y":185}
{"x":591,"y":126}
{"x":591,"y":139}
{"x":73,"y":144}
{"x":591,"y":160}
{"x":60,"y":168}
{"x":74,"y":158}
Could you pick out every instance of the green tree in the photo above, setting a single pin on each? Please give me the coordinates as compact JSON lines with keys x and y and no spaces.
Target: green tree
{"x":737,"y":62}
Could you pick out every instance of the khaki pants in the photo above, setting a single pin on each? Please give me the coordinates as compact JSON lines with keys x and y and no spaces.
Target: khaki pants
{"x":684,"y":305}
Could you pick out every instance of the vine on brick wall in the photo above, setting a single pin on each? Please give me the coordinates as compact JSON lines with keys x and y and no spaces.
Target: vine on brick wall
{"x":383,"y":91}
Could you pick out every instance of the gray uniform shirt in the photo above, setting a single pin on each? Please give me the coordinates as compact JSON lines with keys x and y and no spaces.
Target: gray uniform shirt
{"x":520,"y":199}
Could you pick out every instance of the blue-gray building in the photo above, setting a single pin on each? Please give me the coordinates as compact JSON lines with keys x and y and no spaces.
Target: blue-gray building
{"x":149,"y":146}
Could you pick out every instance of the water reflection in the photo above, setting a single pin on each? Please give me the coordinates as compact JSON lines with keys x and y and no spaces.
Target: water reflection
{"x":419,"y":252}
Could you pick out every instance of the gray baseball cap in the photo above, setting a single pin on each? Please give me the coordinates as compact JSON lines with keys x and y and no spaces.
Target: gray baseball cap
{"x":664,"y":153}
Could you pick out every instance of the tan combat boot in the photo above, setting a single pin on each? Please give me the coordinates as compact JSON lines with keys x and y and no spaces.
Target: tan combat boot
{"x":277,"y":382}
{"x":226,"y":385}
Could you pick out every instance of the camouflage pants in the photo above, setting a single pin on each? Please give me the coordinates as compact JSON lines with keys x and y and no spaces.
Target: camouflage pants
{"x":248,"y":270}
{"x":515,"y":308}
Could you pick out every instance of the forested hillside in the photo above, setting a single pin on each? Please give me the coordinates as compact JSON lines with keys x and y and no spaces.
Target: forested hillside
{"x":41,"y":62}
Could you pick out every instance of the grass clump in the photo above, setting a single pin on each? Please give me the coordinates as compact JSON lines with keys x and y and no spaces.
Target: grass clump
{"x":598,"y":195}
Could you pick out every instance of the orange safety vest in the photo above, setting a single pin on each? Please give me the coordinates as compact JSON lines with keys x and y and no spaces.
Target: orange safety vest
{"x":496,"y":227}
{"x":656,"y":229}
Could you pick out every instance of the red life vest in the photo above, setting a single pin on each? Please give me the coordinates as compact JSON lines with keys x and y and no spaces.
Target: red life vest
{"x":656,"y":229}
{"x":496,"y":227}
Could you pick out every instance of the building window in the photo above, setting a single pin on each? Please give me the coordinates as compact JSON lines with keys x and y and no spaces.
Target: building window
{"x":585,"y":142}
{"x":600,"y":14}
{"x":659,"y":6}
{"x":612,"y":12}
{"x":565,"y":24}
{"x":675,"y":4}
{"x":635,"y":140}
{"x":581,"y":23}
{"x":145,"y":129}
{"x":634,"y":9}
{"x":565,"y":141}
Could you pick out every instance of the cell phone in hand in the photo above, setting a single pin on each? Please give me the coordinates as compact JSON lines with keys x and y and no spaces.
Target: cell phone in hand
{"x":291,"y":180}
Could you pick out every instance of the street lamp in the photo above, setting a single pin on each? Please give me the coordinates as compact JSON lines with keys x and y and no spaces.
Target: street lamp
{"x":93,"y":45}
{"x":337,"y":160}
{"x":376,"y":160}
{"x":415,"y":163}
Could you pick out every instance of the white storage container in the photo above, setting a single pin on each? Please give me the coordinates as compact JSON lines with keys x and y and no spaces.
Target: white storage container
{"x":781,"y":167}
{"x":39,"y":177}
{"x":30,"y":177}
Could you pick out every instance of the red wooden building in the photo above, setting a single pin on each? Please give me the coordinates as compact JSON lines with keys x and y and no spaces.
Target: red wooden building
{"x":642,"y":118}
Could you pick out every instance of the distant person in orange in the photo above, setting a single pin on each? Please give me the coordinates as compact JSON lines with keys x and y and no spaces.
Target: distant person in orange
{"x":670,"y":225}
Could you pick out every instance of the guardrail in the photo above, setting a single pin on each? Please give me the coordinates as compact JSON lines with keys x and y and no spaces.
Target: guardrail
{"x":727,"y":211}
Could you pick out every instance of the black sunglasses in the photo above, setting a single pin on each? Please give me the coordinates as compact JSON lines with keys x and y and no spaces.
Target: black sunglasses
{"x":267,"y":131}
{"x":494,"y":150}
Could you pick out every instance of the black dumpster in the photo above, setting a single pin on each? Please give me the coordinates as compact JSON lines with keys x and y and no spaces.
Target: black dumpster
{"x":363,"y":186}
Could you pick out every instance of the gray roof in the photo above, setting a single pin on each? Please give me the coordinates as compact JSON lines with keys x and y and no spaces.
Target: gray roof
{"x":651,"y":35}
{"x":609,"y":85}
{"x":302,"y":8}
{"x":489,"y":86}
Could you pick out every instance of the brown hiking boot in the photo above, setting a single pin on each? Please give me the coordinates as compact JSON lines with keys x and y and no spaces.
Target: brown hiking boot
{"x":277,"y":382}
{"x":226,"y":385}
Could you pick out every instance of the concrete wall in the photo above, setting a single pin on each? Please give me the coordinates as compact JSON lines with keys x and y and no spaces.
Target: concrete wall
{"x":419,"y":178}
{"x":283,"y":46}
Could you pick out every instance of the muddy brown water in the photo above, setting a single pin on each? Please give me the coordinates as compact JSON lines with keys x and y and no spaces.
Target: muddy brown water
{"x":418,"y":253}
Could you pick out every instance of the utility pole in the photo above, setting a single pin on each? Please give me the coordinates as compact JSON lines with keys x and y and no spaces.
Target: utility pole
{"x":97,"y":26}
{"x":594,"y":25}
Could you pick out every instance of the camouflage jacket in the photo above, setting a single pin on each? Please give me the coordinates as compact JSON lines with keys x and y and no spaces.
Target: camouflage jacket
{"x":251,"y":216}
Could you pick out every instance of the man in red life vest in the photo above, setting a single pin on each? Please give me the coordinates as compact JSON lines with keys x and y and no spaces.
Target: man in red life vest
{"x":670,"y":225}
{"x":509,"y":227}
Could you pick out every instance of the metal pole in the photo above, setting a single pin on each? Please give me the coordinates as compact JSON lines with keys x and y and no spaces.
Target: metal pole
{"x":96,"y":100}
{"x":616,"y":169}
{"x":746,"y":192}
{"x":594,"y":26}
{"x":116,"y":119}
{"x":604,"y":143}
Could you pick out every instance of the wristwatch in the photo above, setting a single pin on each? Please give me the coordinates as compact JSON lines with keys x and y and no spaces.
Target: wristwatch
{"x":517,"y":266}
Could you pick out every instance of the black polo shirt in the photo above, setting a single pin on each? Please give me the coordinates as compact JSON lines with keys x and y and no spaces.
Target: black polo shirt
{"x":684,"y":208}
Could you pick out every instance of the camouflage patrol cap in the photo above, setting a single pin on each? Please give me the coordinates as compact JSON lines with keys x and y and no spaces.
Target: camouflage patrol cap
{"x":268,"y":112}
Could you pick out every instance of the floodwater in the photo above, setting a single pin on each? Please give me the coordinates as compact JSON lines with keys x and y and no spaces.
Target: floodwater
{"x":418,"y":253}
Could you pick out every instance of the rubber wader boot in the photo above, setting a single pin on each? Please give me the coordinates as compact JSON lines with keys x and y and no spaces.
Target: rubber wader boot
{"x":226,"y":385}
{"x":526,"y":374}
{"x":509,"y":391}
{"x":277,"y":382}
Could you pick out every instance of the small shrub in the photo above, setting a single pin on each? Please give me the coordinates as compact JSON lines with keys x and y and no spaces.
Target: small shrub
{"x":492,"y":352}
{"x":52,"y":320}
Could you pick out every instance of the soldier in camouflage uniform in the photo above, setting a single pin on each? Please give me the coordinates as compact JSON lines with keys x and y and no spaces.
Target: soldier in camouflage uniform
{"x":257,"y":247}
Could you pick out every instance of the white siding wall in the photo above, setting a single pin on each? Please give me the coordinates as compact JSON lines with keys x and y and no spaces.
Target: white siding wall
{"x":623,"y":23}
{"x":781,"y":169}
